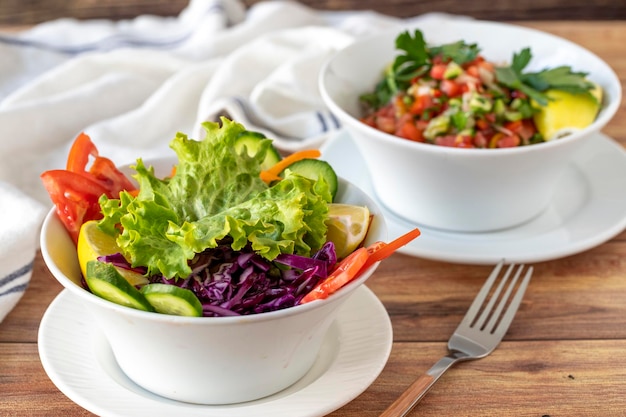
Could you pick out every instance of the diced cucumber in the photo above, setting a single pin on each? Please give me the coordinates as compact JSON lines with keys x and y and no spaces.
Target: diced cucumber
{"x":106,"y":282}
{"x":314,"y":169}
{"x":170,"y":299}
{"x":253,"y":143}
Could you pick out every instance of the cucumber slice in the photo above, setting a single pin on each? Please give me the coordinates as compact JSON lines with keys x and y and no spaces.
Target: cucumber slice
{"x":106,"y":282}
{"x":253,"y":142}
{"x":314,"y":169}
{"x":173,"y":300}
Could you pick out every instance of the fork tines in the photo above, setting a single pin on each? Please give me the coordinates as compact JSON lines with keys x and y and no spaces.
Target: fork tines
{"x":481,"y":314}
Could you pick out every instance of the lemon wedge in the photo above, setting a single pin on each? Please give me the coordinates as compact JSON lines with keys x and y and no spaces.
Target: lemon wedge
{"x":567,"y":111}
{"x":93,"y":242}
{"x":347,"y":227}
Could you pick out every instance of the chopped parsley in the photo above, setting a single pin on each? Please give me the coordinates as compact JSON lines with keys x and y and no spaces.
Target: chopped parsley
{"x":416,"y":59}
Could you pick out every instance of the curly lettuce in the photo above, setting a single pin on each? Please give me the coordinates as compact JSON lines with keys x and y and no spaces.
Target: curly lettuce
{"x":215,"y":193}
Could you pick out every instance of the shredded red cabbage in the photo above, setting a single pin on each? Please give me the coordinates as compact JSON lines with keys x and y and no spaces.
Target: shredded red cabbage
{"x":230,"y":283}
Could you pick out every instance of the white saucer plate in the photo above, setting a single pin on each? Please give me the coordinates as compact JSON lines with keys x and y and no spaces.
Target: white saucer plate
{"x":79,"y":361}
{"x":588,"y":208}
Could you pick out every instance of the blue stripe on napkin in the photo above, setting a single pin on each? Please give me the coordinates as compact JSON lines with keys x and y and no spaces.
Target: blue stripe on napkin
{"x":12,"y":277}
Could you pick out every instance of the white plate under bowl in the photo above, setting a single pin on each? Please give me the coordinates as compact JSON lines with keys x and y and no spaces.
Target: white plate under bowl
{"x":79,"y":361}
{"x":588,"y":208}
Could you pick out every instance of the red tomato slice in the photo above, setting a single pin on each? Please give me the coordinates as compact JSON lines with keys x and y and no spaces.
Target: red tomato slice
{"x":75,"y":197}
{"x":345,"y":272}
{"x":79,"y":154}
{"x":75,"y":191}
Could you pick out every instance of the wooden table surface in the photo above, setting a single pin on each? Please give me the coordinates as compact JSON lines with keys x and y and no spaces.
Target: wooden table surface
{"x":564,"y":355}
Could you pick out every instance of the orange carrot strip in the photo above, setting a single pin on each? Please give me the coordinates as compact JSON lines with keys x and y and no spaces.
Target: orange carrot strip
{"x":381,"y":250}
{"x":268,"y":177}
{"x":346,"y":271}
{"x":290,"y":159}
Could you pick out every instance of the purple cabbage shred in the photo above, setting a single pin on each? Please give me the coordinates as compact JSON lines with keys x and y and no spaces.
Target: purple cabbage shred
{"x":233,"y":283}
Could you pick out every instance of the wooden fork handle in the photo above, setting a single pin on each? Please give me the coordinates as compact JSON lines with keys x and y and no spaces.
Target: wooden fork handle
{"x":410,"y":397}
{"x":418,"y":389}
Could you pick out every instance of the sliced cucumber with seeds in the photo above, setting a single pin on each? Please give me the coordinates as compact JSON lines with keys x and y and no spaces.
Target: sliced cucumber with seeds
{"x":253,"y":142}
{"x":106,"y":282}
{"x":173,"y":300}
{"x":316,"y":169}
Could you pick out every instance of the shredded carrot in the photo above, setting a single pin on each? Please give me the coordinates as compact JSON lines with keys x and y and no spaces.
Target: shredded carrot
{"x":381,"y":250}
{"x":268,"y":177}
{"x":290,"y":159}
{"x":386,"y":250}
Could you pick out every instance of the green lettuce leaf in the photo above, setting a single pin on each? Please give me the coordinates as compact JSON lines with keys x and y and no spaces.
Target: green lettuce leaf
{"x":215,"y":193}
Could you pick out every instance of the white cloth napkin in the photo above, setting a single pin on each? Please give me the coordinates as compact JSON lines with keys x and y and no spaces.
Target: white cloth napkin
{"x":131,"y":85}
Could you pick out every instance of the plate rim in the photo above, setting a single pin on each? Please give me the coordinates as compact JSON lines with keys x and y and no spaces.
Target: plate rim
{"x":54,"y":350}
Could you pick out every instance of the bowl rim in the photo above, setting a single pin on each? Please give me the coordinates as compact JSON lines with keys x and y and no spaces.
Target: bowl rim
{"x":607,"y":112}
{"x":52,"y":220}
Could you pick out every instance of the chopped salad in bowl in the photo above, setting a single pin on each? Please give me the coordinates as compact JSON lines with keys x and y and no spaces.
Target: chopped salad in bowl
{"x":233,"y":229}
{"x":451,"y":95}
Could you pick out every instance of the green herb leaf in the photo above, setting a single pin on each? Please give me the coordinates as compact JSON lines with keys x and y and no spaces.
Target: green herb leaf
{"x":459,"y":52}
{"x":534,"y":84}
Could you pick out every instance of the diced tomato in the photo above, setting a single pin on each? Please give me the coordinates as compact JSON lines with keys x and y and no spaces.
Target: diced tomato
{"x":500,"y":140}
{"x":514,"y":126}
{"x":480,"y":140}
{"x":482,"y":124}
{"x":463,"y":141}
{"x":386,"y":123}
{"x":421,"y":104}
{"x":447,"y":140}
{"x":437,"y":71}
{"x":509,"y":141}
{"x":525,"y":129}
{"x":451,"y":88}
{"x":472,"y":70}
{"x":409,"y":130}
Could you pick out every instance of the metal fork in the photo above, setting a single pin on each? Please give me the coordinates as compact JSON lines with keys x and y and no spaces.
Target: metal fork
{"x":479,"y":333}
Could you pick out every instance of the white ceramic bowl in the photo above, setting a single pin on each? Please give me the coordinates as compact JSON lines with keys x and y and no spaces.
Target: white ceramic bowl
{"x":208,"y":360}
{"x":463,"y":190}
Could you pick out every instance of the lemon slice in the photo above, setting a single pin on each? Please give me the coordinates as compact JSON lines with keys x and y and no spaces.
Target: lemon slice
{"x":567,"y":111}
{"x":347,"y":227}
{"x":93,"y":242}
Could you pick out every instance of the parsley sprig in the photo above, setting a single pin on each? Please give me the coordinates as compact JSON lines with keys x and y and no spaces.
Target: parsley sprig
{"x":534,"y":84}
{"x":416,"y":59}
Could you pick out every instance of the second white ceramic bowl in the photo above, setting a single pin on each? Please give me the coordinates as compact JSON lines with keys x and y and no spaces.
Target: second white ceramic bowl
{"x":462,"y":190}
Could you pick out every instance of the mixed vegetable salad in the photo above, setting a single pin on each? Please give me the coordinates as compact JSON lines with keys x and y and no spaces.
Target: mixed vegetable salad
{"x":234,"y":229}
{"x":451,"y":95}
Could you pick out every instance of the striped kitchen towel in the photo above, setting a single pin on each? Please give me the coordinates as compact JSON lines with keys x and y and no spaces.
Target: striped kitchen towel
{"x":19,"y":223}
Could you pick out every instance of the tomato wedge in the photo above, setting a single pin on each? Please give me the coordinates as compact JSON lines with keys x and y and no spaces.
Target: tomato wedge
{"x":75,"y":191}
{"x":75,"y":197}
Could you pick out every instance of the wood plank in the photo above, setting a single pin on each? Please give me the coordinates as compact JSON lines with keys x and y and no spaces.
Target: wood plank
{"x":16,"y":12}
{"x":31,"y":392}
{"x":556,"y":378}
{"x":426,"y":300}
